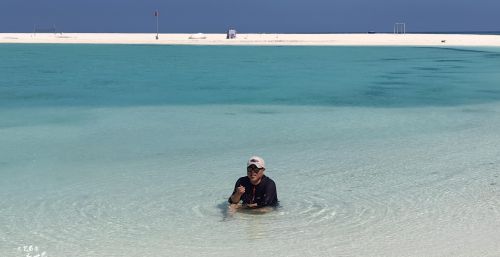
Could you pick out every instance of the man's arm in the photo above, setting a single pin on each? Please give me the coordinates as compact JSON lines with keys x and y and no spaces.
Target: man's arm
{"x":238,"y":191}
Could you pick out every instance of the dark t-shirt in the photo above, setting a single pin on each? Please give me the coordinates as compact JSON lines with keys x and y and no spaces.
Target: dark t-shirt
{"x":263,"y":194}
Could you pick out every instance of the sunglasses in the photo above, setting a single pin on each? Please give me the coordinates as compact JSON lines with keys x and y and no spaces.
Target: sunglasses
{"x":253,"y":169}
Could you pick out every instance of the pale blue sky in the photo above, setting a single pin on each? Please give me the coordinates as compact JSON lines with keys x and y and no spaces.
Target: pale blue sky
{"x":250,"y":16}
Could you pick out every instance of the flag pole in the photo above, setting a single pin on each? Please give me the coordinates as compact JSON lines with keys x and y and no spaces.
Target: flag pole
{"x":157,"y":14}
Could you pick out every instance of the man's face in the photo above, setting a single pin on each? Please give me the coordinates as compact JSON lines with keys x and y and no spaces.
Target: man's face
{"x":254,"y":174}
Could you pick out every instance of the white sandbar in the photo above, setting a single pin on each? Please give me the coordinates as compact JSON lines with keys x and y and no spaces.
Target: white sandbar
{"x":257,"y":39}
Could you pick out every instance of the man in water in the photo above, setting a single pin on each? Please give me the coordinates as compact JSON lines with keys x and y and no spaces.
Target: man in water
{"x":256,"y":190}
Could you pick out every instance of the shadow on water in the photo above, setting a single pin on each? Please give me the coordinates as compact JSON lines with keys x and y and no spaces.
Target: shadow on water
{"x":228,"y":214}
{"x":224,"y":210}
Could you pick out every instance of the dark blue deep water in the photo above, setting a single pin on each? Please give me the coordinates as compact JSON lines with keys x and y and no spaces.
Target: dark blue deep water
{"x":124,"y":75}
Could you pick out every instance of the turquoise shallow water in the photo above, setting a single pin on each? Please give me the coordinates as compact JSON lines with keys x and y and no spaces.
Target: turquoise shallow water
{"x":113,"y":150}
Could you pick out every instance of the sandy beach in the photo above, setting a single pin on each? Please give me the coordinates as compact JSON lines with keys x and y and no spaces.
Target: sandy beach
{"x":257,"y":39}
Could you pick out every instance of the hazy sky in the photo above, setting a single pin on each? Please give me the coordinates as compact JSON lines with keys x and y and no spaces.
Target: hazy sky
{"x":249,"y":15}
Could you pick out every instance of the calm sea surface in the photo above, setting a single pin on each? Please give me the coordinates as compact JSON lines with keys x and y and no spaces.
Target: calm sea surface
{"x":133,"y":150}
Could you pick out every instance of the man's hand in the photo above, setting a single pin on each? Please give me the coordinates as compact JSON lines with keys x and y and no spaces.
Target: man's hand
{"x":235,"y":198}
{"x":240,"y":190}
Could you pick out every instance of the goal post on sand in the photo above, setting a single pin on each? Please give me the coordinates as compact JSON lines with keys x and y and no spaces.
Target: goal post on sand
{"x":399,"y":28}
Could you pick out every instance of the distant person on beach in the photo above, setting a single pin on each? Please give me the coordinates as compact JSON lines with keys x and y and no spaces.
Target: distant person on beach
{"x":255,"y":190}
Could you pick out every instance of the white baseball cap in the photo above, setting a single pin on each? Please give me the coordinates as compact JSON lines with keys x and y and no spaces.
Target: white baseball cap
{"x":257,"y":161}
